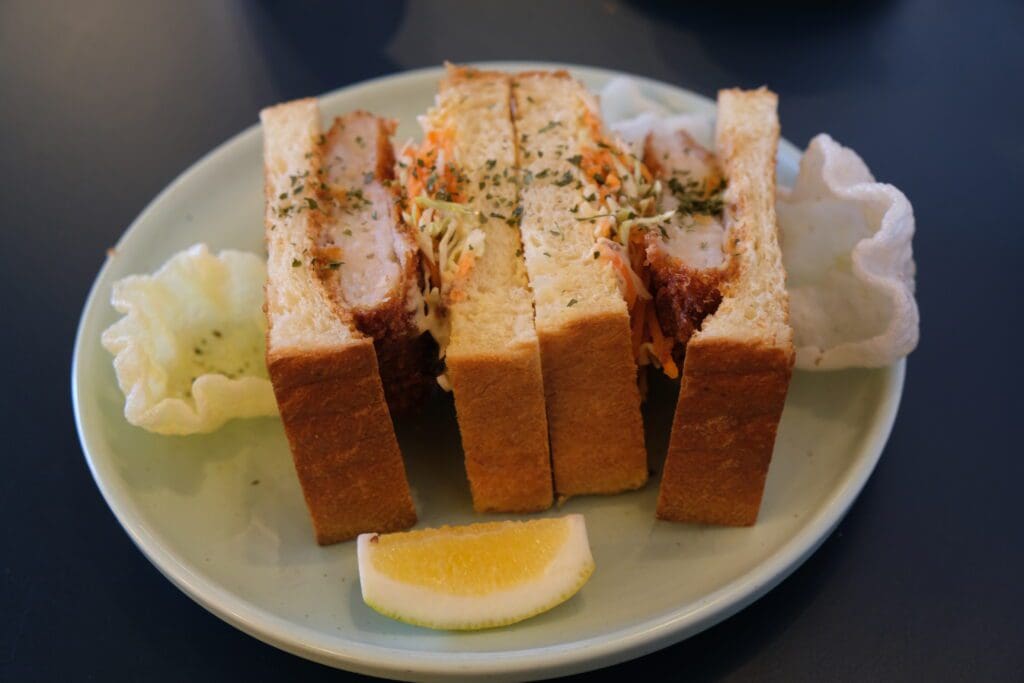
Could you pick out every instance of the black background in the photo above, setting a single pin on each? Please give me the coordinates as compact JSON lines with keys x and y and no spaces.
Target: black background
{"x":103,"y":103}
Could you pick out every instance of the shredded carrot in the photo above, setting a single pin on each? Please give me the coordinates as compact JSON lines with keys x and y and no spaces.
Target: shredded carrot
{"x":462,"y":269}
{"x":466,"y":262}
{"x":596,"y":161}
{"x":637,"y":306}
{"x":434,"y":270}
{"x":423,"y":162}
{"x":622,"y":269}
{"x":637,"y":318}
{"x":599,"y":164}
{"x":638,"y":256}
{"x":332,"y":252}
{"x":591,"y":121}
{"x":662,"y":345}
{"x":338,"y":192}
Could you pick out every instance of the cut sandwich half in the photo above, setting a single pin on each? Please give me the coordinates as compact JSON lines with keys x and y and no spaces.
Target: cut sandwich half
{"x":573,"y":181}
{"x":720,"y":298}
{"x":462,"y":194}
{"x":323,"y":368}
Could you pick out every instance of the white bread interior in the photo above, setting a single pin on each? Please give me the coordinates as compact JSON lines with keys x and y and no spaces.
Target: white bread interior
{"x":301,"y":318}
{"x":755,"y":306}
{"x":497,"y":309}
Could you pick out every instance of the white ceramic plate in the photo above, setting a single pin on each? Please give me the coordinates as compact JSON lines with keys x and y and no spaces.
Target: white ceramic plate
{"x":223,"y":518}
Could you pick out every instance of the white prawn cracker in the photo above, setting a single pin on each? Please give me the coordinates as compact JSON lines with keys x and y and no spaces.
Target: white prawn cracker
{"x":850,"y":268}
{"x":189,"y":352}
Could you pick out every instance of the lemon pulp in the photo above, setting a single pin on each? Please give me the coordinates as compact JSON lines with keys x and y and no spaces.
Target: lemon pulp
{"x":471,"y":560}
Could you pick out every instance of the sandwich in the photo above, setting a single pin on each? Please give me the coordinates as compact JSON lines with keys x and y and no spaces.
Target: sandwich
{"x":461,"y":188}
{"x":720,"y":310}
{"x":328,"y":212}
{"x":573,"y":180}
{"x":542,"y":269}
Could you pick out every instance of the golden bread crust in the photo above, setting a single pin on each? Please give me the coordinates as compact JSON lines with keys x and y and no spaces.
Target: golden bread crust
{"x":593,"y":406}
{"x":342,"y":441}
{"x":456,"y":74}
{"x":730,"y":403}
{"x":499,"y":400}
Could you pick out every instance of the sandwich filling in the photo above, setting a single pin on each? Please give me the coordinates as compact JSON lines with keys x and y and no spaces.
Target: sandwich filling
{"x":434,"y":203}
{"x":359,"y":241}
{"x":364,"y":255}
{"x":461,"y":195}
{"x":657,"y":221}
{"x":460,"y":189}
{"x":621,"y":201}
{"x":686,"y":256}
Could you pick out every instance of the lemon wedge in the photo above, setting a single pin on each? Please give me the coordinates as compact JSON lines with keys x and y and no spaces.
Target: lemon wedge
{"x":475,"y":576}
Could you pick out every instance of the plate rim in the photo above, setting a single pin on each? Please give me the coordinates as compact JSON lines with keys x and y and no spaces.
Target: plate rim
{"x":577,"y":656}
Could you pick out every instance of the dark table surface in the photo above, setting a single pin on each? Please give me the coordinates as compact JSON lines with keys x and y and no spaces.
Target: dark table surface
{"x":103,"y":103}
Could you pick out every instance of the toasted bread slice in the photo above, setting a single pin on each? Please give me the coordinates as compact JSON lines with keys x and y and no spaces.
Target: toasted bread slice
{"x":492,"y":355}
{"x":582,"y":321}
{"x":738,"y":364}
{"x":324,"y":371}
